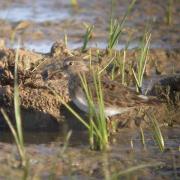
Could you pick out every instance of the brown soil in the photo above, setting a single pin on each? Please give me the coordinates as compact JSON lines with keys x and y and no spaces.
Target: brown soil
{"x":40,"y":107}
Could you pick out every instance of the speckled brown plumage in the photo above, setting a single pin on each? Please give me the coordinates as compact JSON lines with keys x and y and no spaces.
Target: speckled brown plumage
{"x":117,"y":98}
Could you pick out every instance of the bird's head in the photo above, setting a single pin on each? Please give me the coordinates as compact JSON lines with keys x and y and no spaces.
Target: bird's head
{"x":73,"y":65}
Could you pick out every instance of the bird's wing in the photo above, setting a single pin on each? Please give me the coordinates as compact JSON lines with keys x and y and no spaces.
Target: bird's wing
{"x":114,"y":93}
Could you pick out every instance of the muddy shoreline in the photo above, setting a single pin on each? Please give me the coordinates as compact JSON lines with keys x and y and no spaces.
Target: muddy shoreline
{"x":45,"y":110}
{"x":46,"y":159}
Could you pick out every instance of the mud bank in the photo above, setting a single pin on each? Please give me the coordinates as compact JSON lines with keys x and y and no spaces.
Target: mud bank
{"x":38,"y":72}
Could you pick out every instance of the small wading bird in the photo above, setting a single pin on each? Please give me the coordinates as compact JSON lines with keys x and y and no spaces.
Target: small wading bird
{"x":117,"y":98}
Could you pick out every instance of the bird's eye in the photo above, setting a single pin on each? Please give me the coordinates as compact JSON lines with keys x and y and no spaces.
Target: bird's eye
{"x":70,"y":63}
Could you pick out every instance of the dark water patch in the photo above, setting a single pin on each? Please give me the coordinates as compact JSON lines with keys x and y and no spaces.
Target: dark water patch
{"x":45,"y":137}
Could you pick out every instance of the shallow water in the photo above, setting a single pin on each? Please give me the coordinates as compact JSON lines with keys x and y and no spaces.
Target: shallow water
{"x":126,"y":151}
{"x":37,"y":11}
{"x":55,"y":18}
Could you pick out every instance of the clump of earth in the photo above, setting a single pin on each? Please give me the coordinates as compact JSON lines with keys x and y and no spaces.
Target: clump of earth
{"x":42,"y":72}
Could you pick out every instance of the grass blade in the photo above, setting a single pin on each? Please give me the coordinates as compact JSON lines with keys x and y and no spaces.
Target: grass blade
{"x":115,"y":28}
{"x":87,"y":36}
{"x":17,"y":103}
{"x":13,"y":131}
{"x":156,"y":132}
{"x":135,"y":168}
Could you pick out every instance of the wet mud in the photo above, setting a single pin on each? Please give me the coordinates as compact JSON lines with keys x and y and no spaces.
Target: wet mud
{"x":42,"y":75}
